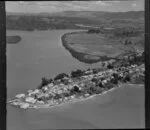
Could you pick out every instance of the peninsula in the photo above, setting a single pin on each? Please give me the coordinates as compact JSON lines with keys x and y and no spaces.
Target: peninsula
{"x":13,"y":39}
{"x":107,"y":36}
{"x":83,"y":84}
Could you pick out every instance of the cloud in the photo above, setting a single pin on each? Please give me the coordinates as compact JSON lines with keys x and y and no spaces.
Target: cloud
{"x":101,"y":3}
{"x":54,"y":6}
{"x":134,"y":5}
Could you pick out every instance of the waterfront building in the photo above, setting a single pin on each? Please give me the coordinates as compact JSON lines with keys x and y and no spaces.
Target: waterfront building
{"x":30,"y":99}
{"x":25,"y":105}
{"x":20,"y":96}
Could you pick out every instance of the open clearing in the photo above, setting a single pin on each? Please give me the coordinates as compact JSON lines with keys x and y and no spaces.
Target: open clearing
{"x":95,"y":44}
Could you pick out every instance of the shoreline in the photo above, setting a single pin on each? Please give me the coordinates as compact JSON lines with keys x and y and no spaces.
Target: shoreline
{"x":79,"y":100}
{"x":72,"y":101}
{"x":46,"y":106}
{"x":90,"y":97}
{"x":23,"y":100}
{"x":22,"y":30}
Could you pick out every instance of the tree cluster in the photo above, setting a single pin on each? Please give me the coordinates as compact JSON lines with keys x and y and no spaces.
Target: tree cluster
{"x":77,"y":73}
{"x":45,"y":82}
{"x":61,"y":76}
{"x":93,"y":31}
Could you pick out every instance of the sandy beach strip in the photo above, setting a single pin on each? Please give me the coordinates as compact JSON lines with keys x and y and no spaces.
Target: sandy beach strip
{"x":90,"y":97}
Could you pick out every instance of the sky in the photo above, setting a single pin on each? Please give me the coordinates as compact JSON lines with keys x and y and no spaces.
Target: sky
{"x":55,"y":6}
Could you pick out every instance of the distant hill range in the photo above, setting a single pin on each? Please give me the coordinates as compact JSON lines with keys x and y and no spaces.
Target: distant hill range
{"x":102,"y":15}
{"x":91,"y":14}
{"x":68,"y":19}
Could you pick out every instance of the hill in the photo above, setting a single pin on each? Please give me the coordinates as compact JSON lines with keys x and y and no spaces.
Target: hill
{"x":69,"y":19}
{"x":101,"y":14}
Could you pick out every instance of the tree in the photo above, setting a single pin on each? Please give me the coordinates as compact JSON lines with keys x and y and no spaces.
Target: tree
{"x":115,"y":79}
{"x":94,"y":80}
{"x":100,"y":85}
{"x":127,"y":78}
{"x":45,"y":82}
{"x":43,"y":99}
{"x":49,"y":97}
{"x":61,"y":76}
{"x":143,"y":56}
{"x":74,"y":90}
{"x":109,"y":85}
{"x":57,"y":96}
{"x":65,"y":81}
{"x":115,"y":75}
{"x":110,"y":66}
{"x":77,"y":73}
{"x":98,"y":90}
{"x":66,"y":94}
{"x":130,"y":42}
{"x":103,"y":64}
{"x":93,"y":31}
{"x":95,"y":71}
{"x":90,"y":91}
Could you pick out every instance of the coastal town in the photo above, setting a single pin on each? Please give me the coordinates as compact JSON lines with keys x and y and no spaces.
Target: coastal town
{"x":82,"y":84}
{"x":74,"y":64}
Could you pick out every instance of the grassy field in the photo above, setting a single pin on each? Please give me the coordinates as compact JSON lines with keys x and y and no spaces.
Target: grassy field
{"x":94,"y":44}
{"x":98,"y":47}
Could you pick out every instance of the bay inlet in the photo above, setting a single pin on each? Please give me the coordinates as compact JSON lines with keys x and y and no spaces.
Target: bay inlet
{"x":40,"y":53}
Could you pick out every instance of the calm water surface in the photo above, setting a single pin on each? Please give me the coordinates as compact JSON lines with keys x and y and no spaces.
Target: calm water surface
{"x":41,"y":53}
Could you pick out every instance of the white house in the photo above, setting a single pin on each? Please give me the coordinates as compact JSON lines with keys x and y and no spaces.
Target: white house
{"x":45,"y":88}
{"x":40,"y":102}
{"x":30,"y":99}
{"x":86,"y":95}
{"x":50,"y":85}
{"x":36,"y":91}
{"x":25,"y":105}
{"x":20,"y":95}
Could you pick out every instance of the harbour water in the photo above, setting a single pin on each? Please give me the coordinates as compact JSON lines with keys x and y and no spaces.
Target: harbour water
{"x":40,"y":53}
